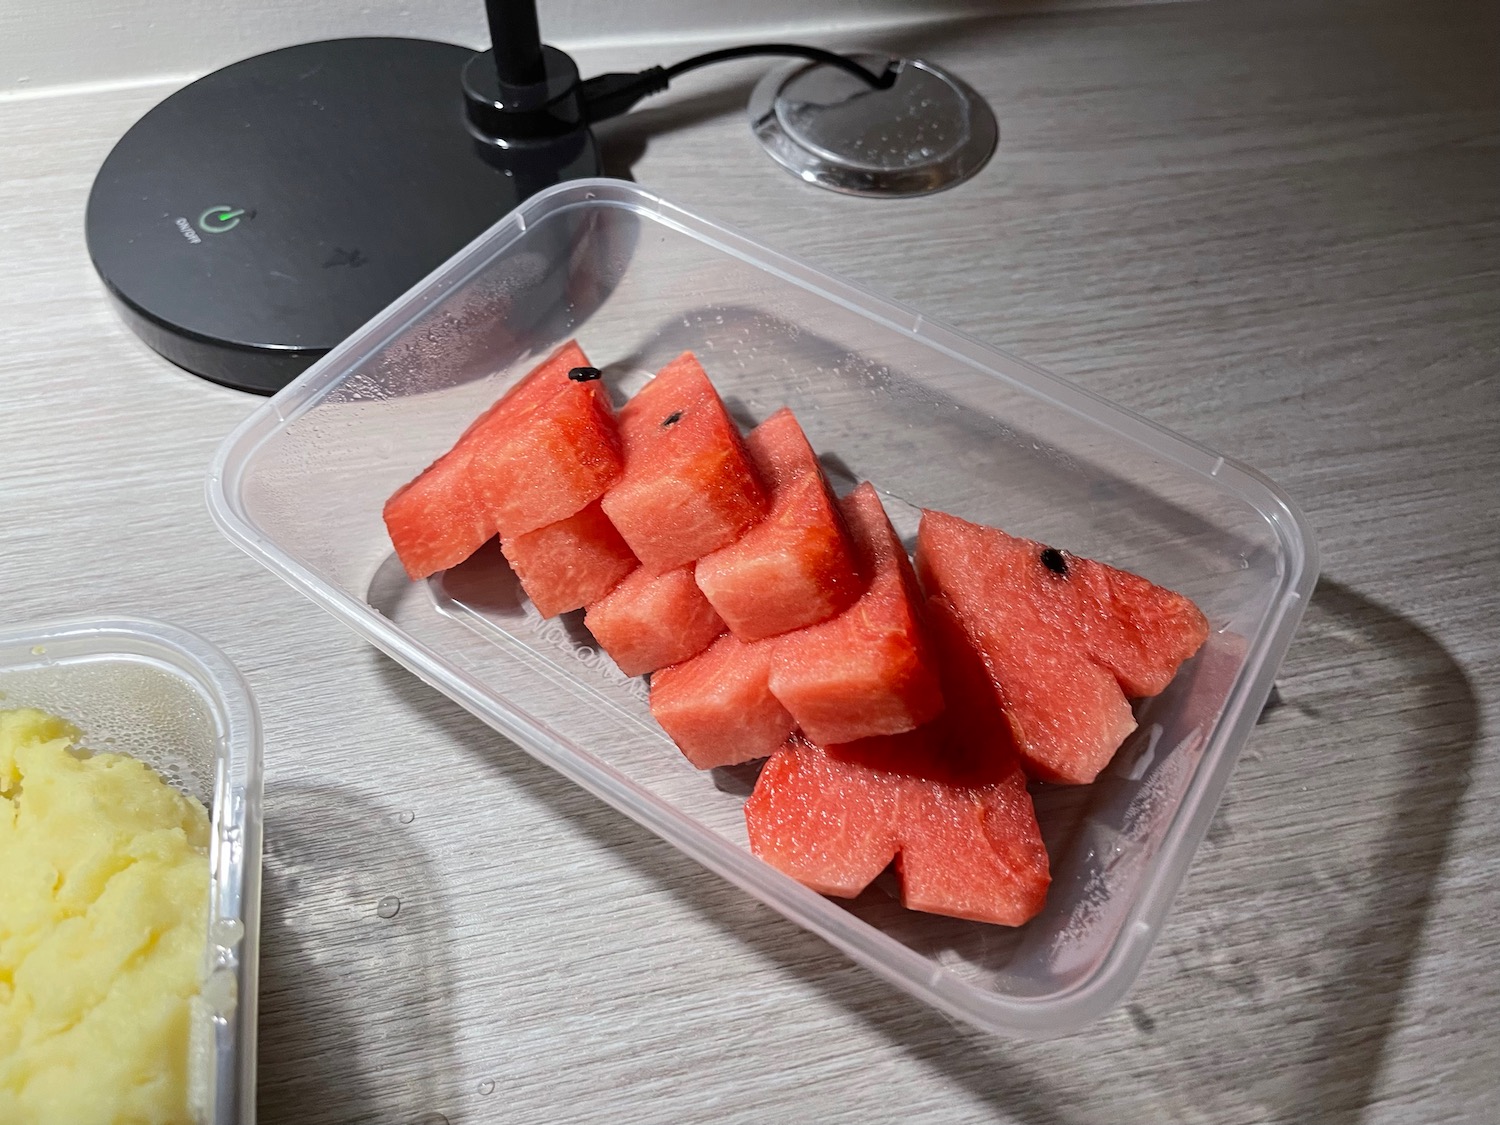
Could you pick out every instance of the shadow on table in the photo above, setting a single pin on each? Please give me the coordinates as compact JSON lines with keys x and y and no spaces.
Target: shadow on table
{"x":1432,"y":735}
{"x":337,"y":975}
{"x":1431,"y":740}
{"x":968,"y":1057}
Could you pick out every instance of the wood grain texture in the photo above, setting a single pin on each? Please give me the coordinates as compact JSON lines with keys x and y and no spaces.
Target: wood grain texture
{"x":1274,"y":227}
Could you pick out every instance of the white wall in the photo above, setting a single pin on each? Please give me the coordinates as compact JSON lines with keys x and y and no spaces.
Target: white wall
{"x":50,"y":43}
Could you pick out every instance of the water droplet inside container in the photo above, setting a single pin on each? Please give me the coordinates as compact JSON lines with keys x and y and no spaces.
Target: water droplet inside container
{"x":388,"y":907}
{"x":406,"y":817}
{"x":432,"y":1119}
{"x":227,"y":932}
{"x":219,"y":991}
{"x":487,"y":1087}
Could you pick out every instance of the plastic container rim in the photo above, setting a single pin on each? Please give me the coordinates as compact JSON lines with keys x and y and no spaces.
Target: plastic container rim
{"x":235,"y":883}
{"x":1034,"y":1017}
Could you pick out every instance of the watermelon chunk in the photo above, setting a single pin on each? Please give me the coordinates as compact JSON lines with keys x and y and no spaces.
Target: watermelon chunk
{"x":1138,"y":630}
{"x":965,"y":841}
{"x":436,"y":521}
{"x":651,"y":620}
{"x":688,"y":487}
{"x":718,"y":706}
{"x":971,"y":710}
{"x":1064,"y":639}
{"x":540,"y":453}
{"x":869,"y":671}
{"x":796,"y":567}
{"x":570,"y":563}
{"x":546,"y":449}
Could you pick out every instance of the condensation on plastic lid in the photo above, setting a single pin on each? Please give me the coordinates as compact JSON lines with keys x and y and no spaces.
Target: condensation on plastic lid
{"x":928,"y":131}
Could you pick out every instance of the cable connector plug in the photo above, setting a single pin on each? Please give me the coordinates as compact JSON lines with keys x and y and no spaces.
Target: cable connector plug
{"x":609,"y":95}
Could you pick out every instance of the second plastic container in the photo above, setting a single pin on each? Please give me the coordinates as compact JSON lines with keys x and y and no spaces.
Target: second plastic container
{"x":171,"y":699}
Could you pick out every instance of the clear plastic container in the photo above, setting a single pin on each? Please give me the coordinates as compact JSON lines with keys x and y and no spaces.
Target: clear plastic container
{"x":932,"y":418}
{"x":171,"y":699}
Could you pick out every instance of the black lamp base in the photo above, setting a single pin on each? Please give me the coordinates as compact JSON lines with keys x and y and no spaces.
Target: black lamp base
{"x":257,"y":217}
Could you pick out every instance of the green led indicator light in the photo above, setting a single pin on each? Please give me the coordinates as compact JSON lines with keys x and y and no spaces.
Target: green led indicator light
{"x":217,"y":220}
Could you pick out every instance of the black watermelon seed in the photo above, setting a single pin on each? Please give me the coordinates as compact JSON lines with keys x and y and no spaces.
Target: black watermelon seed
{"x":671,"y":419}
{"x":583,"y":374}
{"x":1055,"y":561}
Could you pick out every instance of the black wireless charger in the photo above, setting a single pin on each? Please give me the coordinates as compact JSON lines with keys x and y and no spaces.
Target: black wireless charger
{"x":258,"y":216}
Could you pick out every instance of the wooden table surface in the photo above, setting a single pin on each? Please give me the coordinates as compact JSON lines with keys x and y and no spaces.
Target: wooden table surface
{"x":1274,"y":227}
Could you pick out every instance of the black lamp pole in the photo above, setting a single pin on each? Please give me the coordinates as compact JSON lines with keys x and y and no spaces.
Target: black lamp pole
{"x":517,"y":40}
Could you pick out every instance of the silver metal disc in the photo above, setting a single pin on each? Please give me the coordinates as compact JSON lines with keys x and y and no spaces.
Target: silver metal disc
{"x":929,"y":131}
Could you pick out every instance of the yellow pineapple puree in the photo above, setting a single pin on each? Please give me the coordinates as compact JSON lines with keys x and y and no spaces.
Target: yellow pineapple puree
{"x":103,"y":913}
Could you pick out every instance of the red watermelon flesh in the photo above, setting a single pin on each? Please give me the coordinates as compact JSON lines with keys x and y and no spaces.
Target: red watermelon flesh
{"x":971,"y":710}
{"x":869,"y":671}
{"x":966,"y":842}
{"x":651,"y":620}
{"x":781,"y":451}
{"x":688,"y":486}
{"x":1063,"y":639}
{"x":570,"y":563}
{"x":718,"y":706}
{"x":436,"y":522}
{"x":546,"y":449}
{"x":540,"y":453}
{"x":795,"y":567}
{"x":1138,"y":630}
